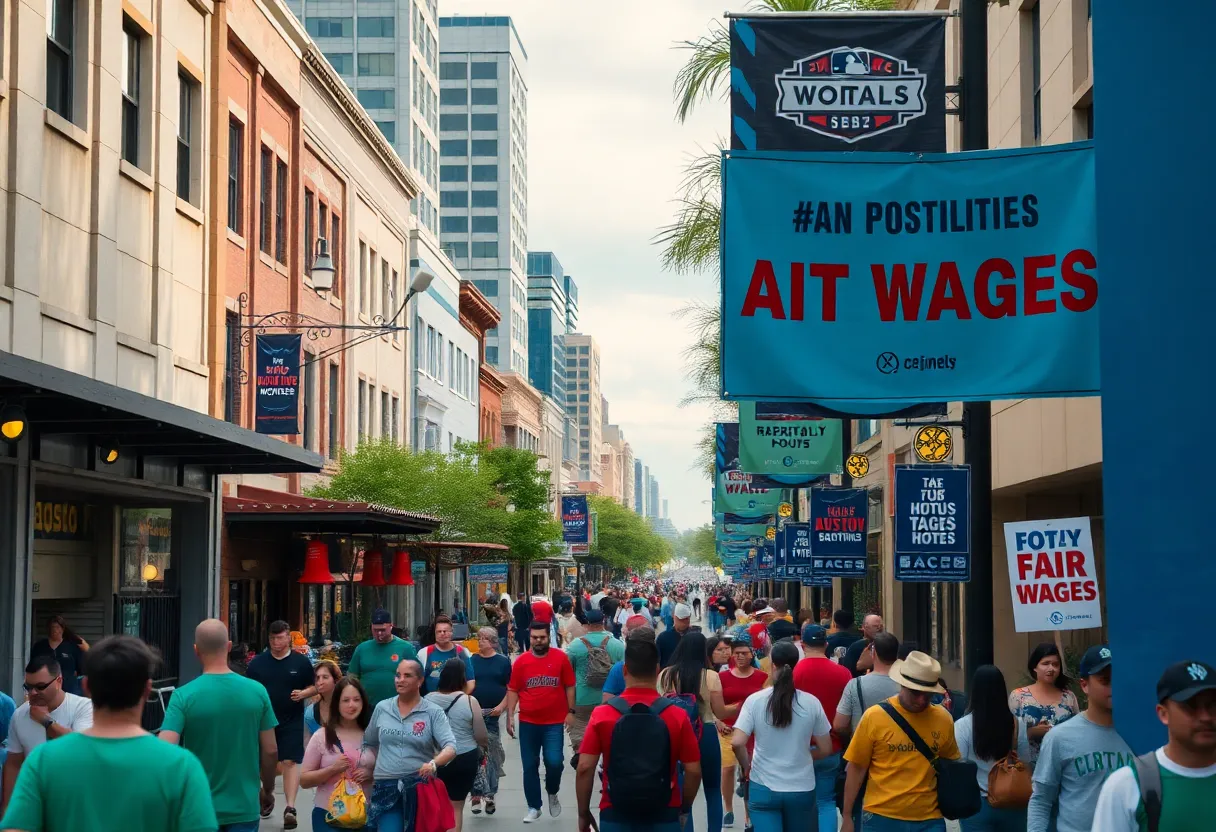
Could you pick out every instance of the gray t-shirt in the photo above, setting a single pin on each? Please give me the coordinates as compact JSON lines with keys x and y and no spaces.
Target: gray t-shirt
{"x":403,"y":744}
{"x":1074,"y":762}
{"x":460,"y":717}
{"x":875,"y":688}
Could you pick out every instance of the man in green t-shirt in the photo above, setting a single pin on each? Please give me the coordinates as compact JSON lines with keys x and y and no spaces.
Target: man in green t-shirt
{"x":1184,"y":768}
{"x":114,"y":776}
{"x":374,"y":662}
{"x":227,"y":721}
{"x":587,"y":696}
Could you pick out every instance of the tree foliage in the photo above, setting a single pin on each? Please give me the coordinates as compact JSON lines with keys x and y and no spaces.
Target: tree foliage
{"x":697,"y":547}
{"x":623,"y":539}
{"x":469,"y":490}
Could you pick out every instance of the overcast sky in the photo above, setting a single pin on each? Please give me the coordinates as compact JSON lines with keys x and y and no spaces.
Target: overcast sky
{"x":605,"y":157}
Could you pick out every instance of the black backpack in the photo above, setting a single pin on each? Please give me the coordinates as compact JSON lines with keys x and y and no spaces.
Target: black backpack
{"x":639,"y":769}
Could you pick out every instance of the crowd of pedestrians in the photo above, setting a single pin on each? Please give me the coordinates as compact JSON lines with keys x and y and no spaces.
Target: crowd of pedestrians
{"x":778,"y":723}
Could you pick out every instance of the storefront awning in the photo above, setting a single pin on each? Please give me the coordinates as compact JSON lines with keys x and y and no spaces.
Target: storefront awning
{"x":452,"y":554}
{"x":60,"y":402}
{"x":312,"y":515}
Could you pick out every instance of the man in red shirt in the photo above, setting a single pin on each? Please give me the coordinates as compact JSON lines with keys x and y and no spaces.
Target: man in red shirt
{"x":821,"y":677}
{"x":641,"y":670}
{"x":542,"y":687}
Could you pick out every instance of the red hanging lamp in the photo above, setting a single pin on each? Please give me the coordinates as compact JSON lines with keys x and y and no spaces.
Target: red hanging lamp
{"x":402,"y":569}
{"x":373,"y":569}
{"x":316,"y":564}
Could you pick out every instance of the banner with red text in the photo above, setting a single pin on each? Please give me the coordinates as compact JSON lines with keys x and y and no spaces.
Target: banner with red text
{"x":1052,"y":575}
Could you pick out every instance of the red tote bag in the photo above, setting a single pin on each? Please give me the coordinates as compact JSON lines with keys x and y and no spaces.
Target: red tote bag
{"x":434,"y":807}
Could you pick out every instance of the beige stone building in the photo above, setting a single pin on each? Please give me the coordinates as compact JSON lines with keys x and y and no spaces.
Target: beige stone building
{"x":522,"y":418}
{"x":585,"y":402}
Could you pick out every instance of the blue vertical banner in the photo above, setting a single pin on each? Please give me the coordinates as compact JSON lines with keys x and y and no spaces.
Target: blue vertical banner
{"x":839,"y":521}
{"x":766,"y":560}
{"x":576,"y":526}
{"x":794,"y":562}
{"x":277,"y":404}
{"x":932,"y":523}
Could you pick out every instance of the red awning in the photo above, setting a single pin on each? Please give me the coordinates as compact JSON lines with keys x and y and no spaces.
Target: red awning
{"x":312,"y":515}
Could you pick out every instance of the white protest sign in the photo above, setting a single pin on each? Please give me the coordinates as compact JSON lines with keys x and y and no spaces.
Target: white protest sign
{"x":1052,"y":575}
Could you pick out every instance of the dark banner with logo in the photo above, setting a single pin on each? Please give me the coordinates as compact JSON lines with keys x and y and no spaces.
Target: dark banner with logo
{"x":848,"y":83}
{"x":575,"y":525}
{"x":838,"y":532}
{"x":277,"y":408}
{"x":933,"y":523}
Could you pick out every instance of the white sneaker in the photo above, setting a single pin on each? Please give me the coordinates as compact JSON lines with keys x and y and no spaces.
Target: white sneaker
{"x":555,"y":806}
{"x":533,"y":816}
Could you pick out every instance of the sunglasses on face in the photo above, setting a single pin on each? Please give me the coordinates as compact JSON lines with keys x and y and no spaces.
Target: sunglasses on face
{"x":39,"y":688}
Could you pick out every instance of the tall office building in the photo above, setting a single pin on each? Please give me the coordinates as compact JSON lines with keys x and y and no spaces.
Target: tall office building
{"x":571,"y":305}
{"x":583,"y":402}
{"x":652,"y":501}
{"x":483,"y":171}
{"x":547,"y":324}
{"x":388,"y":53}
{"x":639,"y":488}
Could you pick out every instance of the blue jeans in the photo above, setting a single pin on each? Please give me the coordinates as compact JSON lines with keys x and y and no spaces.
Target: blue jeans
{"x":711,"y":780}
{"x":995,"y":820}
{"x":825,"y":791}
{"x":871,"y":822}
{"x":318,"y":822}
{"x":772,"y":811}
{"x":243,"y":826}
{"x":536,"y":741}
{"x":618,"y":826}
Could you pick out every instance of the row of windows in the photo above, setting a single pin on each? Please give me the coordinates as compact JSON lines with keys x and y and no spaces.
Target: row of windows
{"x":377,"y":99}
{"x":366,"y":64}
{"x":460,"y":173}
{"x":390,"y":412}
{"x":383,"y":302}
{"x":462,"y":96}
{"x":422,"y":207}
{"x":340,"y":27}
{"x":426,"y":99}
{"x":460,"y":199}
{"x":465,"y":147}
{"x":463,"y":121}
{"x":460,"y":71}
{"x":480,"y":249}
{"x":459,"y":372}
{"x":461,"y":224}
{"x":425,"y":157}
{"x":425,"y":39}
{"x":318,"y":222}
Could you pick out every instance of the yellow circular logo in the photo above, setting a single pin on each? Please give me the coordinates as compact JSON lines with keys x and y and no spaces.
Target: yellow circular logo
{"x":785,"y":509}
{"x":933,"y":443}
{"x":858,"y":465}
{"x":770,"y":533}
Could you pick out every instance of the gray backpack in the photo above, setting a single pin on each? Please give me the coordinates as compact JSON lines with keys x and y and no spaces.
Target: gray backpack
{"x":599,"y":663}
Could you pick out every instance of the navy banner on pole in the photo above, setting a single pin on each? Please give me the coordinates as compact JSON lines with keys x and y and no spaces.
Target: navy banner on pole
{"x":766,"y":560}
{"x":794,"y":562}
{"x":277,"y":404}
{"x":838,"y":532}
{"x":575,"y":525}
{"x":932,"y":523}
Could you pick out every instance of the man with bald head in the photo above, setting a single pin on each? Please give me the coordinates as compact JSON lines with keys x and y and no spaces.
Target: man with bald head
{"x":860,"y":658}
{"x":228,"y":722}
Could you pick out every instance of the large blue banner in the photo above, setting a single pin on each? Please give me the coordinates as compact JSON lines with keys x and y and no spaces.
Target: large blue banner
{"x":766,"y":560}
{"x":932,"y":523}
{"x":726,"y":460}
{"x":838,"y":530}
{"x":277,"y":408}
{"x":972,"y":276}
{"x":794,"y":552}
{"x":576,"y":526}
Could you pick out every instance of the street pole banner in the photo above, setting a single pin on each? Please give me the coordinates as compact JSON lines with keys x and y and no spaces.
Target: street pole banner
{"x":734,"y":493}
{"x":794,"y":560}
{"x":848,"y":83}
{"x":488,"y":573}
{"x":766,"y":560}
{"x":726,"y":459}
{"x":1053,"y":579}
{"x":576,"y":526}
{"x":777,"y":438}
{"x":839,"y":528}
{"x":932,"y":523}
{"x":971,"y":276}
{"x":277,"y":409}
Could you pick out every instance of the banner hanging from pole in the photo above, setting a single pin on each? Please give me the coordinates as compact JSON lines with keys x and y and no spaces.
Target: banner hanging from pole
{"x":277,"y":408}
{"x":576,"y":525}
{"x":972,"y":276}
{"x":779,"y":438}
{"x":838,"y":83}
{"x":735,"y":494}
{"x":932,"y":523}
{"x":726,"y":460}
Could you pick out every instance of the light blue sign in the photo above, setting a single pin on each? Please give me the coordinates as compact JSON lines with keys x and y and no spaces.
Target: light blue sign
{"x":896,"y":278}
{"x":488,"y":573}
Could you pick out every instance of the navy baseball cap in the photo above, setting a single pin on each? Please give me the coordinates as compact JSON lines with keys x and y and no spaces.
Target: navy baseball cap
{"x":781,"y":628}
{"x":382,"y":616}
{"x":1182,"y":681}
{"x":814,"y":635}
{"x":1095,"y":660}
{"x":595,"y":616}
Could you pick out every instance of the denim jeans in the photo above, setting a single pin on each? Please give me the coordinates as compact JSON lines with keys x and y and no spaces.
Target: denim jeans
{"x":536,"y":741}
{"x":243,"y":826}
{"x":711,"y":780}
{"x":660,"y":826}
{"x":825,"y":791}
{"x":772,"y":811}
{"x":995,"y":820}
{"x":871,"y":822}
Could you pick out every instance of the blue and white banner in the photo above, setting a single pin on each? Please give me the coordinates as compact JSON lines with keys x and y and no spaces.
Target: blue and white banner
{"x":932,"y":523}
{"x":488,"y":573}
{"x":794,"y":560}
{"x":838,"y":531}
{"x":277,"y":404}
{"x":971,"y":276}
{"x":766,"y":560}
{"x":576,"y":527}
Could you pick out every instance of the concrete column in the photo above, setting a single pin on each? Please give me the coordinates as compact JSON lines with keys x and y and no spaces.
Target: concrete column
{"x":1154,"y":258}
{"x":196,"y":557}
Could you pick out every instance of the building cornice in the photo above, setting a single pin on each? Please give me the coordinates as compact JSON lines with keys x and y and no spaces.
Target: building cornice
{"x":476,"y":310}
{"x":491,"y":379}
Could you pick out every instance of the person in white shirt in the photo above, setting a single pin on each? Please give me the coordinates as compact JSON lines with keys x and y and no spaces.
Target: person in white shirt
{"x":48,"y":713}
{"x":791,"y":731}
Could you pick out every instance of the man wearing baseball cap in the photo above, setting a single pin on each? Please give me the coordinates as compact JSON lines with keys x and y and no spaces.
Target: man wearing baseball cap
{"x":1078,"y":755}
{"x":1185,"y":767}
{"x":374,"y":662}
{"x":669,"y":640}
{"x":901,"y":792}
{"x":589,"y":694}
{"x":821,"y":677}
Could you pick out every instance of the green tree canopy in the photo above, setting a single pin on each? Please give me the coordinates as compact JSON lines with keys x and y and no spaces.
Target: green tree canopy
{"x":698,"y":547}
{"x":623,"y":539}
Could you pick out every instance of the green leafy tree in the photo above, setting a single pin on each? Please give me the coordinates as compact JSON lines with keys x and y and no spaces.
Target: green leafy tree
{"x":698,"y":547}
{"x":623,"y":539}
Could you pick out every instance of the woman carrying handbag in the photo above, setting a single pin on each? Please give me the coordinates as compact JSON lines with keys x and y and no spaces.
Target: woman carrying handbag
{"x":997,"y":742}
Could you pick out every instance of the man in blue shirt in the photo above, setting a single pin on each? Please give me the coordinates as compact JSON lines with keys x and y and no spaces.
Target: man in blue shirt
{"x":434,"y":657}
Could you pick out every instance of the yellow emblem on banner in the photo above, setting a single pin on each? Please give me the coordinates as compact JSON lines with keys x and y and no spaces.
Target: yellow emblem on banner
{"x":770,"y":533}
{"x":933,"y":443}
{"x":785,"y":509}
{"x":858,"y":465}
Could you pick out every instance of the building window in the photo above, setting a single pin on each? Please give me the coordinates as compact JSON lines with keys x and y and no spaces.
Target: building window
{"x":485,"y":147}
{"x":485,"y":199}
{"x":487,"y":96}
{"x":453,"y":173}
{"x":133,"y":38}
{"x":396,"y":290}
{"x":264,"y":200}
{"x":60,"y":55}
{"x":308,"y":369}
{"x":454,"y":147}
{"x":396,"y":418}
{"x":453,"y":71}
{"x":328,"y":27}
{"x":363,"y":277}
{"x":484,"y":71}
{"x":386,"y":414}
{"x":388,"y":129}
{"x":454,"y":96}
{"x":280,"y":211}
{"x":362,"y":405}
{"x":491,"y":355}
{"x":334,"y":442}
{"x":454,"y":225}
{"x":485,"y":121}
{"x":454,"y":121}
{"x":386,"y":291}
{"x":310,"y":245}
{"x":456,"y":250}
{"x":232,"y":367}
{"x":486,"y":224}
{"x":335,"y":247}
{"x":487,"y":250}
{"x":1036,"y":59}
{"x":485,"y":173}
{"x":186,"y":95}
{"x":377,"y":64}
{"x":454,"y":199}
{"x":342,"y":62}
{"x":377,"y":99}
{"x":236,"y":166}
{"x":375,"y":27}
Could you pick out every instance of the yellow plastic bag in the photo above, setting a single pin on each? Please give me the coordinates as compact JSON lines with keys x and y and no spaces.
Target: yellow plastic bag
{"x":347,"y":805}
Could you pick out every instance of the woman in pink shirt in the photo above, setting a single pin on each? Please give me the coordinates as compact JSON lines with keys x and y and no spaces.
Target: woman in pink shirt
{"x":333,"y":751}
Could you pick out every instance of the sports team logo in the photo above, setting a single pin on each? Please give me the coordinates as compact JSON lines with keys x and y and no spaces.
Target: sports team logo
{"x":850,"y":93}
{"x":419,"y":728}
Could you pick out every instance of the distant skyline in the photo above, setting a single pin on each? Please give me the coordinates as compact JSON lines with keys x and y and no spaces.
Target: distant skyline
{"x":605,"y":159}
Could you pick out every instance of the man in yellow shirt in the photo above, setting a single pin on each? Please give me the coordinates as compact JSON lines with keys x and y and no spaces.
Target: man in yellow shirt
{"x":901,"y":793}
